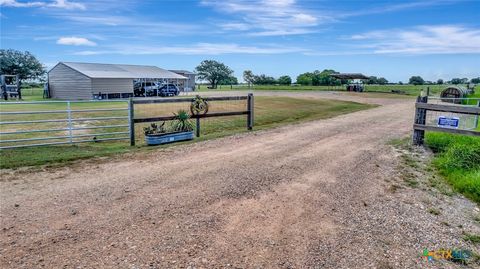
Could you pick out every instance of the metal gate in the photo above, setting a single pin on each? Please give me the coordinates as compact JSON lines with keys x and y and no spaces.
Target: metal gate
{"x":42,"y":123}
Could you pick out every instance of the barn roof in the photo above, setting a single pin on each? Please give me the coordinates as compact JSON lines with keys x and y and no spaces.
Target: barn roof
{"x":349,"y":76}
{"x":97,"y":70}
{"x":182,"y":72}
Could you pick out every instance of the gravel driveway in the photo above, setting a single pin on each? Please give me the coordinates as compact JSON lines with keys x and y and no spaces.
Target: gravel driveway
{"x":312,"y":195}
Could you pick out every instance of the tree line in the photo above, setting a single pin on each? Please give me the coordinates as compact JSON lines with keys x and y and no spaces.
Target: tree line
{"x":28,"y":67}
{"x":208,"y":71}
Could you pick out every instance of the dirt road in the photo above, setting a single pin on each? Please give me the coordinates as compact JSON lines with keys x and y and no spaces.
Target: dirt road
{"x":313,"y":195}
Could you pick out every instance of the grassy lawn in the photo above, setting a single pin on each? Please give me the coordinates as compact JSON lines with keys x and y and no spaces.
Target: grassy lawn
{"x":407,"y":89}
{"x":269,"y":112}
{"x":457,"y":158}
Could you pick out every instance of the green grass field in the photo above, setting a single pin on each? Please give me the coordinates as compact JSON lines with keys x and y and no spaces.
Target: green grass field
{"x":457,"y":158}
{"x":269,"y":112}
{"x":413,"y":90}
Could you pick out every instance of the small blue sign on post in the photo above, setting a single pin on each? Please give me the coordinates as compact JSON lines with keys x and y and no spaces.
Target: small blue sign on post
{"x":447,"y":122}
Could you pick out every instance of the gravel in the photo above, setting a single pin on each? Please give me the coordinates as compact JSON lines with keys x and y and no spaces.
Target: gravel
{"x":312,"y":195}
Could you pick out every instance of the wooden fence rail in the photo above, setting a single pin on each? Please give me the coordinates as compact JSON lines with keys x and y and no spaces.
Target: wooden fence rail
{"x":248,"y":112}
{"x":421,"y":108}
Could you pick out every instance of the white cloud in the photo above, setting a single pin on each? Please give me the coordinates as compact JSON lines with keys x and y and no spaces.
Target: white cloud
{"x":197,"y":49}
{"x":267,"y":17}
{"x":403,"y":5}
{"x":75,"y":41}
{"x":14,"y":3}
{"x":67,"y":5}
{"x":428,"y":39}
{"x":61,"y":4}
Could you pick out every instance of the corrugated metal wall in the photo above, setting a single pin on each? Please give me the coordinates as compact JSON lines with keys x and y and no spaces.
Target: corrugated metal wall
{"x":66,"y":83}
{"x":112,"y":85}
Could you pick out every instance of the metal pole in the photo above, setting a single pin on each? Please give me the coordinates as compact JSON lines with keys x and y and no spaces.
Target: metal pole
{"x":131,"y":123}
{"x":70,"y":127}
{"x":250,"y":111}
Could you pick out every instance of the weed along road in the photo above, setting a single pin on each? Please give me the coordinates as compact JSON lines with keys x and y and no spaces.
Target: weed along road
{"x":311,"y":195}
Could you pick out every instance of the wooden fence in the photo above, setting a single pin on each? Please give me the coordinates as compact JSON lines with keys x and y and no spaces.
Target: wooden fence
{"x":248,"y":112}
{"x":420,"y":125}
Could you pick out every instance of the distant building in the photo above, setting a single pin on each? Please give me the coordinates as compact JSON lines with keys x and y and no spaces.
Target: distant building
{"x":69,"y":80}
{"x":190,"y":82}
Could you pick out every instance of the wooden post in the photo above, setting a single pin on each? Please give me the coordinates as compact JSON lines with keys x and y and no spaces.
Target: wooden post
{"x":131,"y":123}
{"x":3,"y":85}
{"x":420,"y":118}
{"x":197,"y":129}
{"x":476,"y":117}
{"x":250,"y":111}
{"x":19,"y":87}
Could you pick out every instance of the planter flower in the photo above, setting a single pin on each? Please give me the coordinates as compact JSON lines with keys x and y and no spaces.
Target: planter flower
{"x":179,"y":130}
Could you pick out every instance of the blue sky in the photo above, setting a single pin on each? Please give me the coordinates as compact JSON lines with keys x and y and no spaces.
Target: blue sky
{"x":392,"y":39}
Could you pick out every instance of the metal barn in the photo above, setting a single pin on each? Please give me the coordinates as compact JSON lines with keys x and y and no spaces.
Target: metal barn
{"x":72,"y":80}
{"x":189,"y":84}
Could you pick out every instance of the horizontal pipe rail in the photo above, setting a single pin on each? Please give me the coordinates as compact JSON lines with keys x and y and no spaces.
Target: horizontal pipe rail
{"x":60,"y":111}
{"x":63,"y":120}
{"x":64,"y":102}
{"x":64,"y":143}
{"x":64,"y":129}
{"x":60,"y":137}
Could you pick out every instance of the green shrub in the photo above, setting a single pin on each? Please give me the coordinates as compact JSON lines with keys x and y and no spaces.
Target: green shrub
{"x":461,"y":156}
{"x":458,"y":159}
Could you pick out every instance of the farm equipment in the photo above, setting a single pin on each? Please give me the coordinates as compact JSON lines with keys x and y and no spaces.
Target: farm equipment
{"x":11,"y":86}
{"x":355,"y":79}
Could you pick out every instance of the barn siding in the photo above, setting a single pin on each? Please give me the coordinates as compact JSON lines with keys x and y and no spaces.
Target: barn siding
{"x":112,"y":85}
{"x":67,"y":83}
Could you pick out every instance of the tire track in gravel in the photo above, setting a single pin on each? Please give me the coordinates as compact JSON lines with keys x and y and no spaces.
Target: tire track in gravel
{"x":290,"y":197}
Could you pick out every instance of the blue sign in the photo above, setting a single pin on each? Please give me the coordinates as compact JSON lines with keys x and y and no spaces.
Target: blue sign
{"x":447,"y":122}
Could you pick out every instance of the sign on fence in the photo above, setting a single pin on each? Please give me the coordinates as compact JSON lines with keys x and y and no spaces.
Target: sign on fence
{"x":446,"y":122}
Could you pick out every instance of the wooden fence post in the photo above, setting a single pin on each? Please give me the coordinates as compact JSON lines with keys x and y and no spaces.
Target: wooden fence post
{"x":420,"y":118}
{"x":131,"y":122}
{"x":250,"y":106}
{"x":476,"y":117}
{"x":197,"y":129}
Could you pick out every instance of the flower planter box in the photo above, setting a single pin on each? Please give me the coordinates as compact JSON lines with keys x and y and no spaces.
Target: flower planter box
{"x":160,"y":139}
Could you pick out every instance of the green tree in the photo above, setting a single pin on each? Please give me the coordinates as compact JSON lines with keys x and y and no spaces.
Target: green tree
{"x":284,"y":80}
{"x":440,"y":81}
{"x":248,"y":77}
{"x":305,"y":79}
{"x":213,"y":72}
{"x":475,"y":80}
{"x":324,"y":78}
{"x":264,"y":80}
{"x":456,"y":81}
{"x":416,"y":80}
{"x":372,"y":80}
{"x":228,"y":81}
{"x":24,"y":64}
{"x":382,"y":81}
